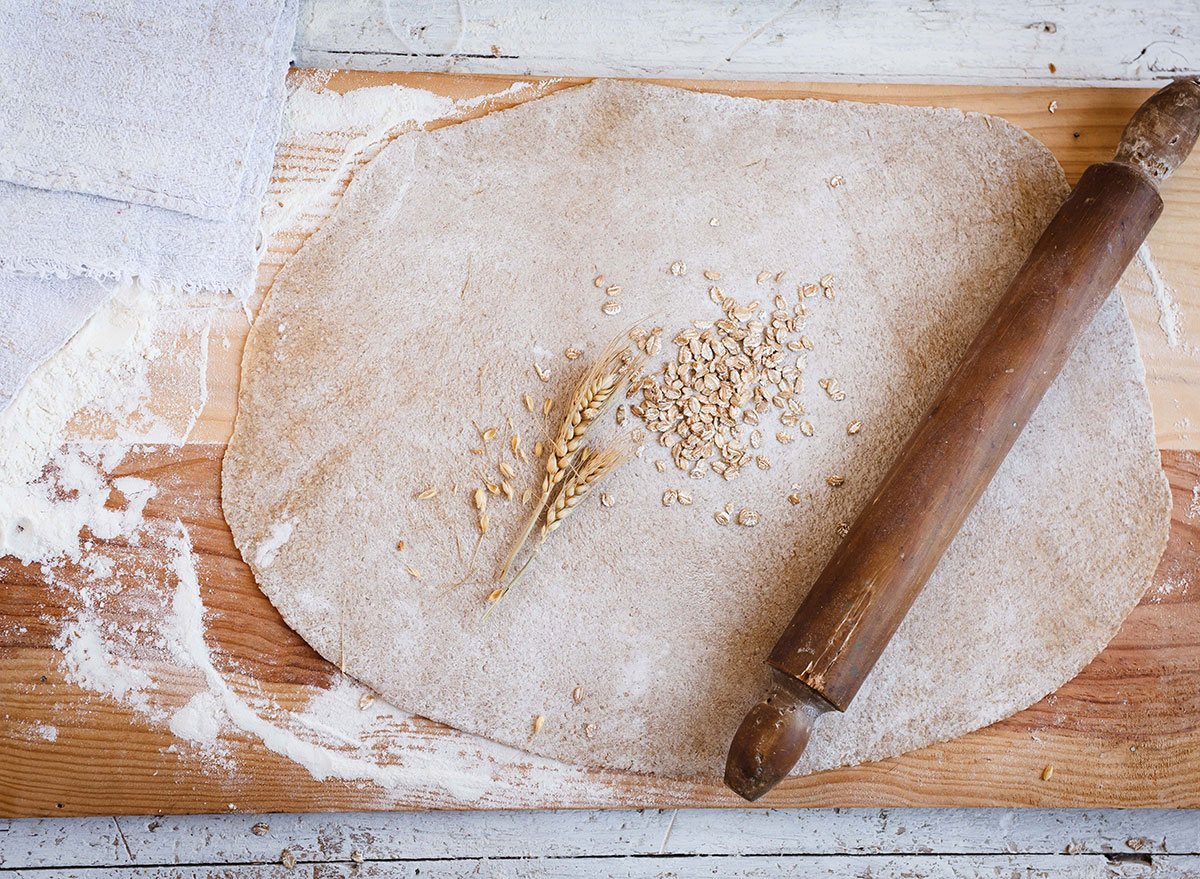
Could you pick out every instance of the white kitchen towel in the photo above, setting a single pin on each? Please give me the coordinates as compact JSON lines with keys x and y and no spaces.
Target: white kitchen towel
{"x":66,"y":233}
{"x":49,"y":237}
{"x":150,"y":103}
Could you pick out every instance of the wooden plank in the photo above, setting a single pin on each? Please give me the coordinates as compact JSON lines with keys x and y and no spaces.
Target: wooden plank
{"x":59,"y":842}
{"x":381,"y":836}
{"x":240,"y":871}
{"x":956,"y":41}
{"x":689,"y":867}
{"x":833,"y":867}
{"x":1126,"y":732}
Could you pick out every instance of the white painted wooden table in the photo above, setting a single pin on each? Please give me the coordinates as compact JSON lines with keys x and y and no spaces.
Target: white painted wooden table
{"x":1117,"y":42}
{"x":684,"y":843}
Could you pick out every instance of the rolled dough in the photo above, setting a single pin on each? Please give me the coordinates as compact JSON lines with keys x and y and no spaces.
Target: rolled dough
{"x":461,"y":257}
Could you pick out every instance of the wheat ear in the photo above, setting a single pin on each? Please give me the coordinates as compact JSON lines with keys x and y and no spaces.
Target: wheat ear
{"x":593,"y":467}
{"x":580,"y":484}
{"x":593,"y":395}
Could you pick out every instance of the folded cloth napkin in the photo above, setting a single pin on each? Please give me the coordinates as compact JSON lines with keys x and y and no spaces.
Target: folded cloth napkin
{"x":65,"y":233}
{"x":148,"y":158}
{"x":150,"y":103}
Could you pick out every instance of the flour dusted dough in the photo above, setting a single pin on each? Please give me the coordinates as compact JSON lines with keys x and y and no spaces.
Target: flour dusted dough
{"x":461,"y":257}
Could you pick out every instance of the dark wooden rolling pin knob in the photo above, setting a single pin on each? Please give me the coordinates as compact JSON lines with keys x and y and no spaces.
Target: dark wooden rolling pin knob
{"x":861,"y":596}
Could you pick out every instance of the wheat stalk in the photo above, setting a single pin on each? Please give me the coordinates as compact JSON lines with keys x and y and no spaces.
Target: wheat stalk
{"x":591,"y":398}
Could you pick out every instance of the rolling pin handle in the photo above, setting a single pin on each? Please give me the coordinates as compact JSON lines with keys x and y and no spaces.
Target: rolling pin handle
{"x":1162,"y":132}
{"x":772,"y":736}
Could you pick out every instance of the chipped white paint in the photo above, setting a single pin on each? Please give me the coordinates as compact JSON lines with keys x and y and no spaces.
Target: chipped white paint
{"x":844,"y":867}
{"x":967,"y":842}
{"x":1124,"y":42}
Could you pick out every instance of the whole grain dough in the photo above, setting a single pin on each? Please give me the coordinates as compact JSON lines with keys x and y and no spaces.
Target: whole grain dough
{"x":462,"y":257}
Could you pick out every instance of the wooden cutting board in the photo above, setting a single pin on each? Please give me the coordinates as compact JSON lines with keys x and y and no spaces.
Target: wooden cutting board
{"x":1126,"y":732}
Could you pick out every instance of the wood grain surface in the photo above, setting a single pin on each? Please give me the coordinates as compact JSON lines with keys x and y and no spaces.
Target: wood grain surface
{"x":1126,"y":732}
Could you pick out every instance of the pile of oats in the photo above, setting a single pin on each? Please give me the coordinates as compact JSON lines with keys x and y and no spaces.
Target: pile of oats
{"x":726,"y":376}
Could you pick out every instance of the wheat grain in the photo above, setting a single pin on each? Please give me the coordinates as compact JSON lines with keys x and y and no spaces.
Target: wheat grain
{"x":747,"y":518}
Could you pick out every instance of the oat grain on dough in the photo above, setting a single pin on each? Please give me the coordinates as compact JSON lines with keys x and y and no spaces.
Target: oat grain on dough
{"x":339,"y":446}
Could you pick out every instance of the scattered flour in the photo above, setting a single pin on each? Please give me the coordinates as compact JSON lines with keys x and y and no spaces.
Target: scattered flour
{"x":1168,"y":309}
{"x":1194,"y":509}
{"x":200,"y":720}
{"x":89,"y":663}
{"x":1169,"y":586}
{"x":103,"y":367}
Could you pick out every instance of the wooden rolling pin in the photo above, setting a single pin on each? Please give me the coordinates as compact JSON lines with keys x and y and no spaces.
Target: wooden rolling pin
{"x":861,"y":596}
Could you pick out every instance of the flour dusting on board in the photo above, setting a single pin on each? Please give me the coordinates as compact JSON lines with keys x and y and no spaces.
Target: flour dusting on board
{"x":101,"y":377}
{"x":1168,"y":309}
{"x":133,"y":379}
